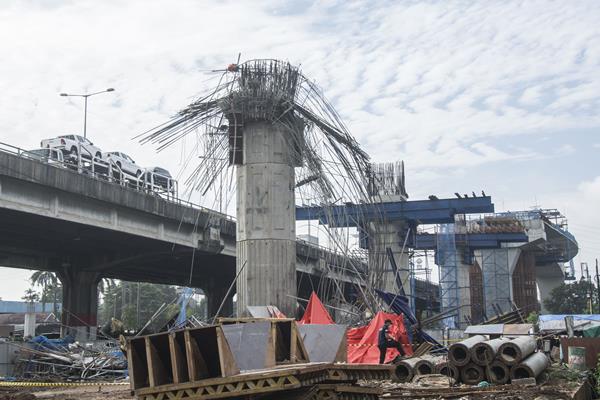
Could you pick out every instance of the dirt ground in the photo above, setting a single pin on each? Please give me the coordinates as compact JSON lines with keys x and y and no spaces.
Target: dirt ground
{"x":74,"y":393}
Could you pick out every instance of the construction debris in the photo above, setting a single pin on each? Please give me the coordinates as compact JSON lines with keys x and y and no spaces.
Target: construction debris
{"x":46,"y":359}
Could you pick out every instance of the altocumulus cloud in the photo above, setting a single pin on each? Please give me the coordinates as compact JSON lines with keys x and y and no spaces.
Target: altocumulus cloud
{"x":443,"y":85}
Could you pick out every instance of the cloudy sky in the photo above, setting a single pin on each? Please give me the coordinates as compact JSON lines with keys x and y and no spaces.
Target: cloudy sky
{"x":497,"y":95}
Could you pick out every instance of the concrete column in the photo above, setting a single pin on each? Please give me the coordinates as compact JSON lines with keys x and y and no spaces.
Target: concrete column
{"x":29,"y":322}
{"x":391,"y":235}
{"x":548,"y":277}
{"x":80,"y":303}
{"x":464,"y":290}
{"x":266,"y":227}
{"x":497,"y":266}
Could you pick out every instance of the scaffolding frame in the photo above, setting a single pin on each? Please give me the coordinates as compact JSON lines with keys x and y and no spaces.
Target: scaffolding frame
{"x":496,"y":280}
{"x":448,"y":266}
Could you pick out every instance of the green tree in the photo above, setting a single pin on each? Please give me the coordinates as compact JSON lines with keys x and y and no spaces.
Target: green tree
{"x":121,"y":301}
{"x":31,"y":296}
{"x":44,"y":279}
{"x":572,"y":298}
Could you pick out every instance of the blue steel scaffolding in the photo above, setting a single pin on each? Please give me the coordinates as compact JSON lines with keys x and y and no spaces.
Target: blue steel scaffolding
{"x":447,"y":261}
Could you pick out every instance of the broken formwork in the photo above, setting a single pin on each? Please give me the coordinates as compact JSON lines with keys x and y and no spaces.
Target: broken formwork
{"x":203,"y":363}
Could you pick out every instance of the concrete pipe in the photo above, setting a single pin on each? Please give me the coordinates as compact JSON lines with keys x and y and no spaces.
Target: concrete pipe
{"x":459,"y":353}
{"x":405,"y":369}
{"x":425,"y":366}
{"x":471,"y":374}
{"x":498,"y":372}
{"x":447,"y":369}
{"x":513,"y":351}
{"x":484,"y":353}
{"x":531,"y":367}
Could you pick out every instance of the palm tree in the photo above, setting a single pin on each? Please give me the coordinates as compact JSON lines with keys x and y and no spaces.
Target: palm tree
{"x":105,"y":284}
{"x":44,"y":279}
{"x":30,"y":296}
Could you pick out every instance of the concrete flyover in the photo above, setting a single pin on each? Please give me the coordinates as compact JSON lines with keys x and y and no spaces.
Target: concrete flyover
{"x":85,"y":228}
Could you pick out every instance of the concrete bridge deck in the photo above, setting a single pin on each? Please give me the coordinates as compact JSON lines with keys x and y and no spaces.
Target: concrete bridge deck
{"x":85,"y":228}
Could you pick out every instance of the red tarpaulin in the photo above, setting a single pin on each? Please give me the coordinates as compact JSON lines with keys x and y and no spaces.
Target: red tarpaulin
{"x":315,"y":312}
{"x":362,"y":341}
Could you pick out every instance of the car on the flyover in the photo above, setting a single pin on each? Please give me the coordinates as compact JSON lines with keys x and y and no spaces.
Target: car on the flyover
{"x":124,"y":162}
{"x":73,"y":145}
{"x":158,"y":177}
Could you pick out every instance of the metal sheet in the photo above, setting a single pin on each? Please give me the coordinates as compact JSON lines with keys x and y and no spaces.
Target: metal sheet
{"x":492,"y":329}
{"x":517,"y":329}
{"x":250,"y":344}
{"x":323,"y":342}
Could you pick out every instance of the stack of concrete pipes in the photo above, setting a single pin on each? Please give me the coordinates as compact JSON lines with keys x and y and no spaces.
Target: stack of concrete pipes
{"x":407,"y":369}
{"x":497,"y":361}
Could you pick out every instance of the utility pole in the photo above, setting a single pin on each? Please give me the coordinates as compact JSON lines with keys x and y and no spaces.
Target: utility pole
{"x":137,"y":308}
{"x":597,"y":284}
{"x":591,"y":295}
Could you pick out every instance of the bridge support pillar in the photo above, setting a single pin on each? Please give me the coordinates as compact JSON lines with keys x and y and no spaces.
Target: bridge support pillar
{"x":80,"y":303}
{"x":266,"y":214}
{"x":391,"y":235}
{"x":548,"y":277}
{"x":215,"y":295}
{"x":464,"y":291}
{"x":497,"y":267}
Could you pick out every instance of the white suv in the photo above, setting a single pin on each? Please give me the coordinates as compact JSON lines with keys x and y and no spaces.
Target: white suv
{"x":73,"y":144}
{"x":124,"y":162}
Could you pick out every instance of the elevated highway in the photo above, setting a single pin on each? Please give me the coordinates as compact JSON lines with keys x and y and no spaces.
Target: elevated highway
{"x":85,"y":227}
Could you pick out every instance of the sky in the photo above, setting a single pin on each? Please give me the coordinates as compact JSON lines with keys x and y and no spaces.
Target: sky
{"x":501,"y":96}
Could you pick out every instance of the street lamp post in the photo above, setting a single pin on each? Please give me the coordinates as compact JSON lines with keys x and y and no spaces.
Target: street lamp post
{"x":85,"y":97}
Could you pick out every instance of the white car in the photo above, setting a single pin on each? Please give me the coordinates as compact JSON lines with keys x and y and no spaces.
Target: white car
{"x":73,"y":144}
{"x":124,"y":162}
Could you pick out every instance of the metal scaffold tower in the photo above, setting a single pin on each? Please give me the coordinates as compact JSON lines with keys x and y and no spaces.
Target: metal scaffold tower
{"x":447,"y":261}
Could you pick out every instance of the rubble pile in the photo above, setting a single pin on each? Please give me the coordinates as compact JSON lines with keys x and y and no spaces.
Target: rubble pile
{"x":47,"y":360}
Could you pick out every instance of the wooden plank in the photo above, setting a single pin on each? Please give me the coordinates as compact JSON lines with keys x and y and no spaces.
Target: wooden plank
{"x":300,"y":352}
{"x":178,"y":360}
{"x":342,"y":354}
{"x":197,"y":368}
{"x":157,"y":374}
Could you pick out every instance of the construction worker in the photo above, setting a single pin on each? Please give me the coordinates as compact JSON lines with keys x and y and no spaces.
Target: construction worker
{"x":386,"y":341}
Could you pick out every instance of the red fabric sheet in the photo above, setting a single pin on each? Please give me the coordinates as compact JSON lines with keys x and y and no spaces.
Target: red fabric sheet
{"x":362,"y":341}
{"x":315,"y":312}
